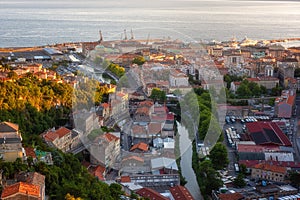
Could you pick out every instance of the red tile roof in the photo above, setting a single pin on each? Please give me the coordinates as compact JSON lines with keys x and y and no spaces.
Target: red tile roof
{"x":256,"y":148}
{"x":97,"y":171}
{"x":105,"y":105}
{"x":151,"y":194}
{"x":30,"y":152}
{"x":154,"y":128}
{"x":110,"y":137}
{"x":134,"y":158}
{"x":181,"y":193}
{"x":125,"y":179}
{"x":59,"y":133}
{"x":233,"y":196}
{"x":269,"y":167}
{"x":8,"y":127}
{"x":251,"y":163}
{"x":62,"y":131}
{"x":21,"y":188}
{"x":141,"y":146}
{"x":267,"y":133}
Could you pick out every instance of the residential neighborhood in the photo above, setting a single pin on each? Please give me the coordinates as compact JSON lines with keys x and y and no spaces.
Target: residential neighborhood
{"x":131,"y":131}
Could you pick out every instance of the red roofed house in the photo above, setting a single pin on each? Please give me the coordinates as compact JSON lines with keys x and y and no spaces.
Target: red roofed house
{"x":267,"y":133}
{"x":284,"y":105}
{"x":268,"y":172}
{"x":140,"y":147}
{"x":29,"y":151}
{"x":35,"y":179}
{"x":181,"y":193}
{"x":21,"y":191}
{"x":150,"y":194}
{"x":61,"y":138}
{"x":105,"y":150}
{"x":99,"y":172}
{"x":230,"y":196}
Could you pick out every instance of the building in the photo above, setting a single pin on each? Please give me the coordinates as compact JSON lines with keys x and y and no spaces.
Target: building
{"x":284,"y":105}
{"x":178,"y":79}
{"x":181,"y":193}
{"x":21,"y":190}
{"x":269,"y":172}
{"x":267,"y":133}
{"x":10,"y":142}
{"x":35,"y":179}
{"x":150,"y":194}
{"x":267,"y":82}
{"x":263,"y":152}
{"x":105,"y":150}
{"x":119,"y":103}
{"x":85,"y":121}
{"x":62,"y":138}
{"x":234,"y":60}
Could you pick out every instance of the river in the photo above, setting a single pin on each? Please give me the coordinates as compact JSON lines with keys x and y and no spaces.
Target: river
{"x":185,"y":146}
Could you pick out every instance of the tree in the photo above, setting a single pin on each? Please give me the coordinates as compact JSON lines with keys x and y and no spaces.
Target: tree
{"x":116,"y":190}
{"x":218,"y":156}
{"x":209,"y":177}
{"x":239,"y":181}
{"x":295,"y":178}
{"x":158,"y":95}
{"x":140,"y":60}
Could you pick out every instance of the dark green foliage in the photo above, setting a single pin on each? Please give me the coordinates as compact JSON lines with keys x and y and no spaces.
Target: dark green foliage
{"x":116,"y":191}
{"x":239,"y":181}
{"x":249,"y":89}
{"x":158,"y":95}
{"x":218,"y":156}
{"x":294,"y":177}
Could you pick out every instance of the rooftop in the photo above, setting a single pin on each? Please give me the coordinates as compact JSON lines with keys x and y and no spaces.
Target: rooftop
{"x":181,"y":193}
{"x":267,"y":133}
{"x":151,"y":194}
{"x":141,"y":146}
{"x":22,"y":188}
{"x":8,"y":127}
{"x":269,"y":167}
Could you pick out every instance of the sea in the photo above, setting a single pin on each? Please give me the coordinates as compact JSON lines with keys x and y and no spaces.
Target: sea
{"x":41,"y":22}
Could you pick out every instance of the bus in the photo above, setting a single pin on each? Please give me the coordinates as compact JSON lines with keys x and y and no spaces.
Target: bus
{"x":236,"y":167}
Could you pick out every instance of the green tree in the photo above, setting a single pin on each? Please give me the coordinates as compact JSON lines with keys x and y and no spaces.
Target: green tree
{"x":218,"y":156}
{"x":116,"y":191}
{"x":140,"y":60}
{"x":294,"y":177}
{"x":158,"y":95}
{"x":239,"y":181}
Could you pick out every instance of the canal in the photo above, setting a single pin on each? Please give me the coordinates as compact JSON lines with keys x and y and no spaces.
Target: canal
{"x":185,"y":146}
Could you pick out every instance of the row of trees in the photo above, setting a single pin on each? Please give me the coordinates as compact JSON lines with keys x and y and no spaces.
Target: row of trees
{"x":198,"y":107}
